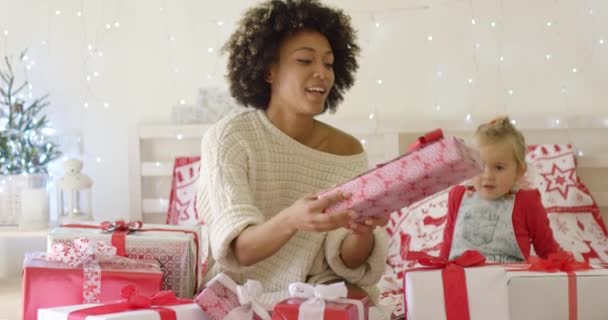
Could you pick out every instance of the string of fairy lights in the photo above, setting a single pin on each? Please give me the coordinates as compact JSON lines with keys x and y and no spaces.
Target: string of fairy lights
{"x":111,"y":14}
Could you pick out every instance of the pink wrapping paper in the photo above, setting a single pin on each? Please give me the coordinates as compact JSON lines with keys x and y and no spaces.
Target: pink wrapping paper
{"x":219,"y":297}
{"x":429,"y":168}
{"x":51,"y":283}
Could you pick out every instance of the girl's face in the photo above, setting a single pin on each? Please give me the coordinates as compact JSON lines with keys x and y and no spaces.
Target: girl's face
{"x":302,"y":78}
{"x":500,"y":170}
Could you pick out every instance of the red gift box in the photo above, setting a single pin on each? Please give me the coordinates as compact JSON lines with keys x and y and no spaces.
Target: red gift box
{"x":176,"y":248}
{"x":336,"y":306}
{"x":51,"y":281}
{"x":432,"y":164}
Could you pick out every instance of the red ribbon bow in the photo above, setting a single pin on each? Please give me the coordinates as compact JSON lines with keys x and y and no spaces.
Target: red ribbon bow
{"x":422,"y":141}
{"x":119,"y":230}
{"x":469,"y":258}
{"x":427,"y":138}
{"x":562,"y":261}
{"x":556,"y":262}
{"x":454,"y":279}
{"x":121,"y":225}
{"x":135,"y":301}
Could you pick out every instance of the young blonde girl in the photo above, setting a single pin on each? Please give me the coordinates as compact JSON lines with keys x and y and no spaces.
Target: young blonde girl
{"x":492,"y":216}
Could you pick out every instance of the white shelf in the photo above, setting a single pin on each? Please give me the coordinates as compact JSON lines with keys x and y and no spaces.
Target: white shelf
{"x":155,"y":145}
{"x":156,"y":169}
{"x":155,"y":205}
{"x":173,"y":131}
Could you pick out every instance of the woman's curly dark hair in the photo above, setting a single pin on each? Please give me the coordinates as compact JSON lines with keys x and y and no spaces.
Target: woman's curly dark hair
{"x":254,"y":46}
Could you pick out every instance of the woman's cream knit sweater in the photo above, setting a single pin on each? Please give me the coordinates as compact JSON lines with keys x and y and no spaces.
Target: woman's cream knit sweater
{"x":250,"y":171}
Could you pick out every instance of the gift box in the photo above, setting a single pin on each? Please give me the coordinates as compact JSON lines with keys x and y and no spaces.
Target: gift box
{"x":574,"y":293}
{"x":456,"y":290}
{"x":432,"y":164}
{"x":72,"y":274}
{"x":163,"y":305}
{"x":321,"y":302}
{"x":182,"y":312}
{"x":176,"y":248}
{"x":220,"y":299}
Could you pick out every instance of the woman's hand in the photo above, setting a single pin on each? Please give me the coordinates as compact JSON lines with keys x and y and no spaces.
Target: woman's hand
{"x":368,"y":225}
{"x":259,"y":242}
{"x":307,"y":214}
{"x":357,"y":246}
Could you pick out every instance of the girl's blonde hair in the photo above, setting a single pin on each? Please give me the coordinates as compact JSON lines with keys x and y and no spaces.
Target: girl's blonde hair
{"x":499,"y":130}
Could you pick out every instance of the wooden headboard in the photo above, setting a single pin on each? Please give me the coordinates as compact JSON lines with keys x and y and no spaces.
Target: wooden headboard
{"x":151,"y":161}
{"x":589,"y":139}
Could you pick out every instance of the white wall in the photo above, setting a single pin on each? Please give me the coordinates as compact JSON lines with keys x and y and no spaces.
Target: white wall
{"x":137,"y":78}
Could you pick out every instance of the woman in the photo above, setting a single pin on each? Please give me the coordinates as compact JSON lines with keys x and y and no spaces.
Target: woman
{"x":260,"y":168}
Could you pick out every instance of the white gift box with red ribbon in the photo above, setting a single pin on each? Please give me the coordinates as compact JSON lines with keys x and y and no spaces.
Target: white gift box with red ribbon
{"x":162,"y":305}
{"x":571,"y":293}
{"x":460,"y":289}
{"x":486,"y":290}
{"x":183,"y":312}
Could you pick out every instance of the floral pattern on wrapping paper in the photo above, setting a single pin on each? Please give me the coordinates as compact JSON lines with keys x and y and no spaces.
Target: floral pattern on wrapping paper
{"x":408,"y":179}
{"x":173,"y":259}
{"x":91,"y":291}
{"x":217,"y":300}
{"x":77,"y":252}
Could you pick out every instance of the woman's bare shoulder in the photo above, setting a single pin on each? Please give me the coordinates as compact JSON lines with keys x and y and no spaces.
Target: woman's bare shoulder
{"x":340,"y":142}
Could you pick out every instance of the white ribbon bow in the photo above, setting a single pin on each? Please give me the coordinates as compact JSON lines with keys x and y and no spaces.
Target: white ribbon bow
{"x":314,"y":307}
{"x":80,"y":251}
{"x":248,"y":295}
{"x":87,"y":254}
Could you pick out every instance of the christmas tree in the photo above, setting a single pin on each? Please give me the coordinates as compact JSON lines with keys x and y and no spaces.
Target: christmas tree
{"x":23,"y":146}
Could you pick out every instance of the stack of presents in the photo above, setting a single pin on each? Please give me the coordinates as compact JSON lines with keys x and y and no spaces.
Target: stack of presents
{"x":130,"y":270}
